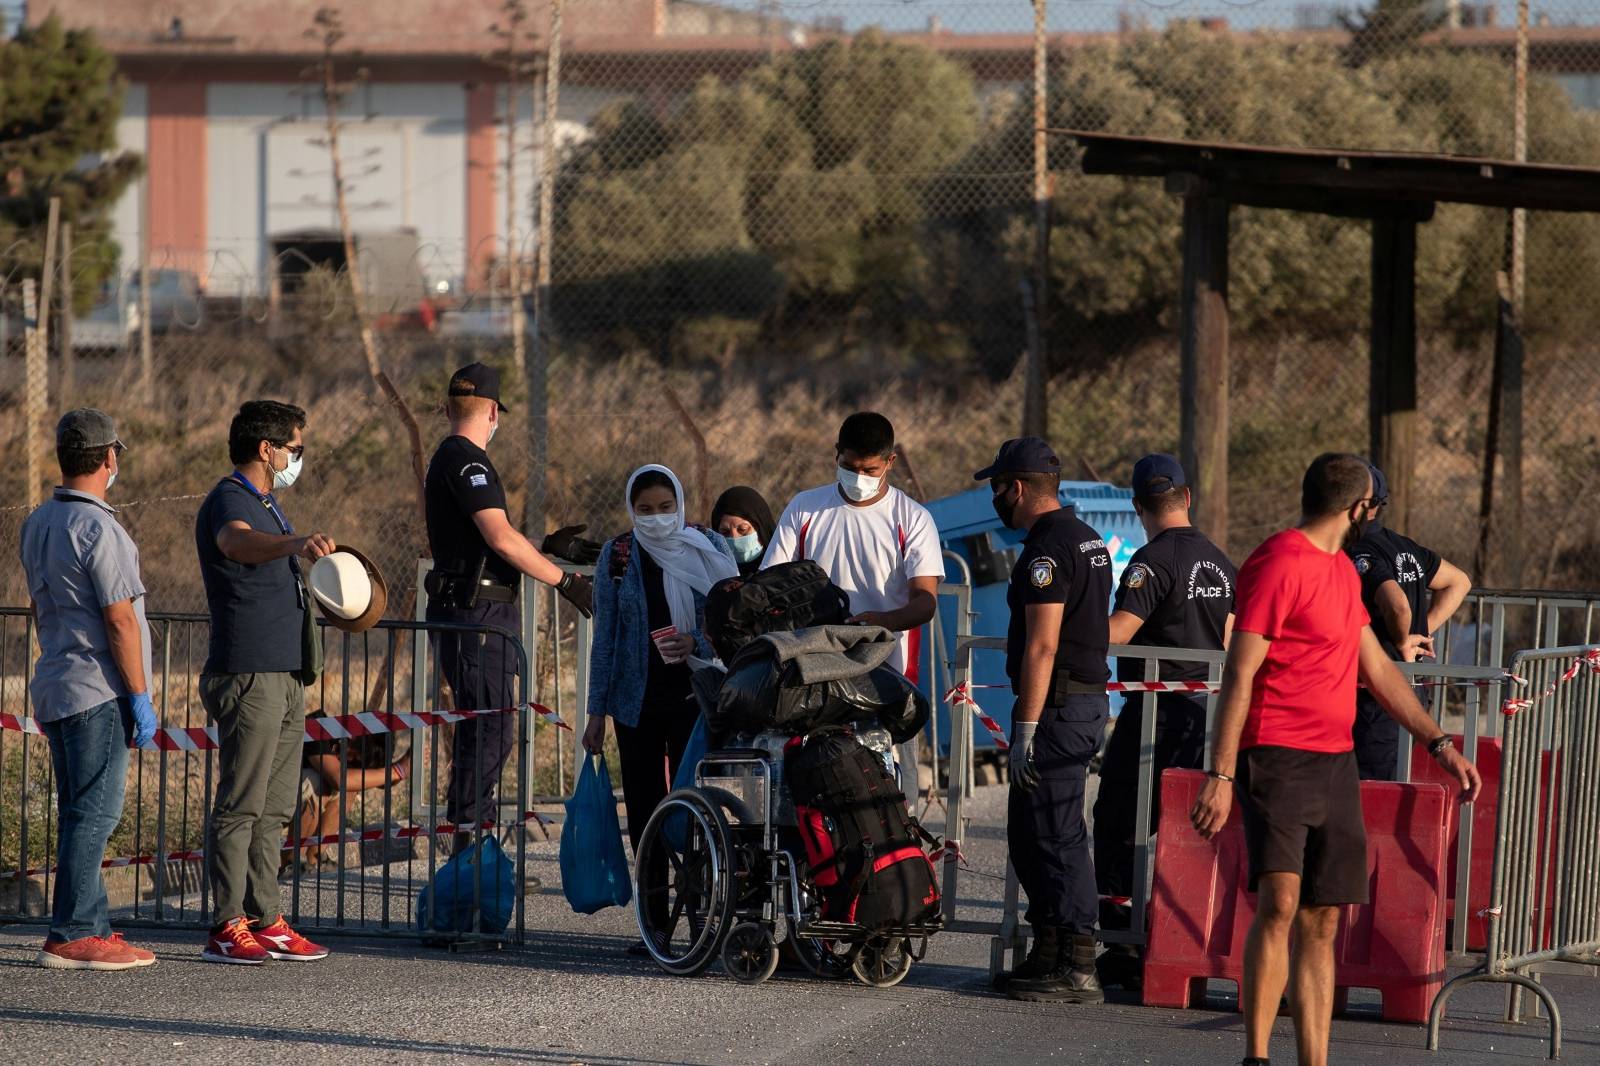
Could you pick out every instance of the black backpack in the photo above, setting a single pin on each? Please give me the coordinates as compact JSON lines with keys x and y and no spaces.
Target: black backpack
{"x":780,"y":599}
{"x":863,"y":847}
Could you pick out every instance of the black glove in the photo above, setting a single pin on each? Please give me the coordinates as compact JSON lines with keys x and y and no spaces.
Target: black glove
{"x":578,"y":591}
{"x":565,"y":543}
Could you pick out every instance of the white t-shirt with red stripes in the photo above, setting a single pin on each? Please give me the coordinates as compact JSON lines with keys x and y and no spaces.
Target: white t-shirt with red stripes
{"x":872,"y":553}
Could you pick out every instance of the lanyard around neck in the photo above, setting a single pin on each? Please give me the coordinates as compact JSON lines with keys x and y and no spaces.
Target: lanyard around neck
{"x":267,"y":501}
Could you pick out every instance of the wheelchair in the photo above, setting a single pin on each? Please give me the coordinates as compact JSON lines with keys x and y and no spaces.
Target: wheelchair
{"x":721,"y":873}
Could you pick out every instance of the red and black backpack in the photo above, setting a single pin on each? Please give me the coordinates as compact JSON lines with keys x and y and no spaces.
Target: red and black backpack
{"x":862,"y":845}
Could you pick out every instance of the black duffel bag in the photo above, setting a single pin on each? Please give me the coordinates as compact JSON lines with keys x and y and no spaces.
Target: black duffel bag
{"x":764,"y":690}
{"x":779,"y":599}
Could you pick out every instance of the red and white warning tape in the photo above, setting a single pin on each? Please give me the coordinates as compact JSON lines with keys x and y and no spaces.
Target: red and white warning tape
{"x":1590,"y":659}
{"x":339,"y":727}
{"x":962,"y":696}
{"x":402,"y":832}
{"x":1215,"y":686}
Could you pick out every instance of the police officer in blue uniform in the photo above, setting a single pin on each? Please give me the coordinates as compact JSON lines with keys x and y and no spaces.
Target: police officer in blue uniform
{"x":1176,"y":592}
{"x":479,"y":558}
{"x":1409,"y":591}
{"x":1056,"y":659}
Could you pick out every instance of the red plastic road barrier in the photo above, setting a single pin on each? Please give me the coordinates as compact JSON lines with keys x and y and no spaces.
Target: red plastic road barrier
{"x":1485,"y":809}
{"x":1424,"y":768}
{"x":1200,"y":912}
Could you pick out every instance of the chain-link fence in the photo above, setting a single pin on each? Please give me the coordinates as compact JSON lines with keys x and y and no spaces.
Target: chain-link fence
{"x":764,"y":222}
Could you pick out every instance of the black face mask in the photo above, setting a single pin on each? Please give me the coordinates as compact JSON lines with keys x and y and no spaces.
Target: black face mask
{"x":1360,"y":518}
{"x":1006,"y":509}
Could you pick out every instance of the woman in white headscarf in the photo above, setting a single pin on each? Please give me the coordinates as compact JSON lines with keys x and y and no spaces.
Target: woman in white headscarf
{"x":649,"y":615}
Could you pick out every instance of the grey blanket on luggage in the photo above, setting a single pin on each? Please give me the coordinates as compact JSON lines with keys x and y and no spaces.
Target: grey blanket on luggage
{"x":832,"y":653}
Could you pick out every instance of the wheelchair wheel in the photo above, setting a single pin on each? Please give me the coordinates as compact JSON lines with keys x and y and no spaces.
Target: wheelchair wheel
{"x":749,"y":954}
{"x":684,"y":873}
{"x":883,"y":961}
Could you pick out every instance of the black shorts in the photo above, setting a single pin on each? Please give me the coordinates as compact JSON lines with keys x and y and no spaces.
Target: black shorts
{"x":1302,"y":815}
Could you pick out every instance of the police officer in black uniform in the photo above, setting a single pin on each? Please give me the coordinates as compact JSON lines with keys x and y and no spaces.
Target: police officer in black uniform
{"x":1177,"y":592}
{"x":1409,"y":591}
{"x":478,"y":560}
{"x":1056,"y":659}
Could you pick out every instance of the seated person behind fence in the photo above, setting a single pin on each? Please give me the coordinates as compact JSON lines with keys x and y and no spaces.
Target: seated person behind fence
{"x":317,"y":813}
{"x":743,"y":516}
{"x":649,"y":602}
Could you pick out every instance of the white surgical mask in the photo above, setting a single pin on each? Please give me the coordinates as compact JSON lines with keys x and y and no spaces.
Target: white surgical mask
{"x":494,"y":427}
{"x":282,"y":479}
{"x":655,"y":526}
{"x":112,"y":480}
{"x":859,"y":487}
{"x":746,"y":547}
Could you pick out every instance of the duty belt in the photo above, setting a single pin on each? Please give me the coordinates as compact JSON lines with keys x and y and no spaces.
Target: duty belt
{"x":454,"y":589}
{"x":1062,"y":685}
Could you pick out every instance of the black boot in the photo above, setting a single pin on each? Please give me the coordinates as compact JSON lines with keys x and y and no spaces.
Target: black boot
{"x":1040,"y":961}
{"x":1072,"y":980}
{"x":1121,"y":967}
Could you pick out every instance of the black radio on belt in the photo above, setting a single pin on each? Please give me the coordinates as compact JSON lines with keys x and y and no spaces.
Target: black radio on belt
{"x":462,"y":589}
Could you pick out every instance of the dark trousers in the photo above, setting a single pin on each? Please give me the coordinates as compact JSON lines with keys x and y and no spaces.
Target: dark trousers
{"x":650,"y":753}
{"x":89,"y":753}
{"x":482,"y":671}
{"x":1377,"y":739}
{"x":1044,"y":827}
{"x":1180,"y":743}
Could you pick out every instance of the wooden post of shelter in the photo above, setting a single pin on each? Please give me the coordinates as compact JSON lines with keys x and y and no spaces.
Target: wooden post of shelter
{"x":1204,"y":368}
{"x":1392,"y":399}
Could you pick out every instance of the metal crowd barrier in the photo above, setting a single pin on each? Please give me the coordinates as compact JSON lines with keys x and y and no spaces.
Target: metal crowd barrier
{"x":1544,"y":899}
{"x":1493,"y":623}
{"x":1467,"y":700}
{"x":354,"y":859}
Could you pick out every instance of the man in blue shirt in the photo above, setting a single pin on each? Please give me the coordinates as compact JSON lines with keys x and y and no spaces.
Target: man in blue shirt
{"x":264,"y":651}
{"x":90,"y":687}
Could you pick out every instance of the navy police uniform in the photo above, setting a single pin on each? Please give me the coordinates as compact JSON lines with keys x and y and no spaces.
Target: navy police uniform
{"x":1383,"y":555}
{"x":1181,"y":585}
{"x":1062,"y":560}
{"x":471,"y":584}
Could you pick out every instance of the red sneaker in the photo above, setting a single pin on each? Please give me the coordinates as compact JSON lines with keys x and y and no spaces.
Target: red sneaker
{"x":146,"y":958}
{"x":87,"y":953}
{"x":235,"y":945}
{"x":281,"y":942}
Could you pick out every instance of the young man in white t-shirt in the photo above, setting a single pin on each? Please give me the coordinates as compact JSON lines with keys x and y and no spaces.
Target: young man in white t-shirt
{"x":876,"y":543}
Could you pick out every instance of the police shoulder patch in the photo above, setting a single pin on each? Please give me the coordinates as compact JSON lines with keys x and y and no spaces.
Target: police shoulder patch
{"x":1363,"y":563}
{"x":1136,"y":575}
{"x":1042,"y":572}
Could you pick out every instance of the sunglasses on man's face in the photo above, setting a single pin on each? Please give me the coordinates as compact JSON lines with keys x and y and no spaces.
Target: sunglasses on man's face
{"x":296,"y":451}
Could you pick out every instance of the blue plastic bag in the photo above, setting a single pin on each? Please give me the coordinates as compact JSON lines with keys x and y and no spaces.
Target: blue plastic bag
{"x":674,"y":830}
{"x":458,"y":896}
{"x":594,"y":866}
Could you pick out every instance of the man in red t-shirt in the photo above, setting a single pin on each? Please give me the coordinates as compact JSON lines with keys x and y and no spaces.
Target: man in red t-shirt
{"x":1283,"y":744}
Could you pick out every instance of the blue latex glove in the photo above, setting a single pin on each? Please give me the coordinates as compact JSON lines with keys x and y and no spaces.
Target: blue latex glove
{"x":144,"y":720}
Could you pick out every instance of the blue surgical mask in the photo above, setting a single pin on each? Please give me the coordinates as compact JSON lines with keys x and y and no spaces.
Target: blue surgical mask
{"x":745,"y":548}
{"x":282,"y":479}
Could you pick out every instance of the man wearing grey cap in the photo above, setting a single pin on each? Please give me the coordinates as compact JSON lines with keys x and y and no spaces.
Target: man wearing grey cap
{"x":90,"y":686}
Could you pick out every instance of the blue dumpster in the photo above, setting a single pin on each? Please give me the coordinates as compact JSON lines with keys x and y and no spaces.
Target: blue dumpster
{"x":969,"y":527}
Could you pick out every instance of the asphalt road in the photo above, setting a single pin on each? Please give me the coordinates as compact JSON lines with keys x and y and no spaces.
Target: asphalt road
{"x":572,"y":995}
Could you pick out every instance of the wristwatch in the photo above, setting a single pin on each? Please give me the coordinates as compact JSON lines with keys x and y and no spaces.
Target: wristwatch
{"x":1219,"y":775}
{"x":1438,"y":744}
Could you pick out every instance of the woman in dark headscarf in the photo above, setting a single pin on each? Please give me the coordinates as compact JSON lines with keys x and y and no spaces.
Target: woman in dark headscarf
{"x":743,"y":517}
